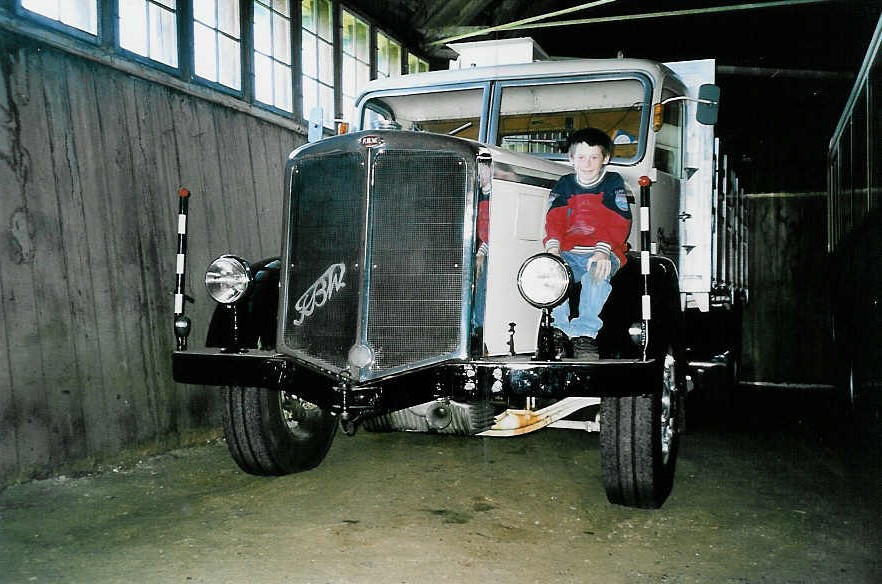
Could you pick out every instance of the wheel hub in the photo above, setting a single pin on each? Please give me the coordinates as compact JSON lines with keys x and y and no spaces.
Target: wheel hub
{"x":668,"y":408}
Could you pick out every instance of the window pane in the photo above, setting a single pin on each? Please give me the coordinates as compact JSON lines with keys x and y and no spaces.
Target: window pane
{"x":310,"y":58}
{"x":163,"y":35}
{"x":307,"y":8}
{"x":348,"y":33}
{"x":394,"y":59}
{"x":263,"y":78}
{"x":132,"y":32}
{"x":438,"y":112}
{"x":537,"y":118}
{"x":230,"y":73}
{"x":262,"y":29}
{"x":80,"y":14}
{"x":282,"y":82}
{"x":327,"y":101}
{"x":205,"y":51}
{"x":362,"y":43}
{"x":362,"y":76}
{"x":228,"y":17}
{"x":324,"y":18}
{"x":205,"y":11}
{"x":310,"y":96}
{"x":282,"y":7}
{"x":281,"y":38}
{"x":326,"y":62}
{"x":48,"y":8}
{"x":348,"y":75}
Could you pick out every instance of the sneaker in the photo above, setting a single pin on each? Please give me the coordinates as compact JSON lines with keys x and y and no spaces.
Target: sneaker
{"x":563,"y":348}
{"x":585,"y":349}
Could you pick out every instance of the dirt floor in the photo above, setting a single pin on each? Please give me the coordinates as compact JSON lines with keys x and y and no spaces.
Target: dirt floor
{"x":777,"y":494}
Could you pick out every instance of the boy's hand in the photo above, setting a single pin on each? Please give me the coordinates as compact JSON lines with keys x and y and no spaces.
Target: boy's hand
{"x":602,"y":265}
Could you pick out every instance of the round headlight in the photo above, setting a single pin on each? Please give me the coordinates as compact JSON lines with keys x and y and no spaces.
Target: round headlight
{"x":544,"y":280}
{"x":228,"y":279}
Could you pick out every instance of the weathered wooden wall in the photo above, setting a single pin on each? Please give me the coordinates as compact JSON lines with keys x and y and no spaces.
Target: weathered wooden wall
{"x":787,"y":333}
{"x":90,"y":163}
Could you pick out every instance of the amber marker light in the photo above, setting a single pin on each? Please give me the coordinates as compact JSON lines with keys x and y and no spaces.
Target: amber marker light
{"x":658,"y":116}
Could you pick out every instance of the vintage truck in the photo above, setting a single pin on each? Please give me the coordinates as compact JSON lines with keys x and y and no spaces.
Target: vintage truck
{"x":413,"y":292}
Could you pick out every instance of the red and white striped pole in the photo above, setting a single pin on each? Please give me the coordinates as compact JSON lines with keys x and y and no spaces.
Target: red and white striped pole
{"x":645,"y":250}
{"x":182,"y":323}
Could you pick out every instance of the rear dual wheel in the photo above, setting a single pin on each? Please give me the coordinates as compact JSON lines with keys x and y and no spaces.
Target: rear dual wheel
{"x":270,"y":432}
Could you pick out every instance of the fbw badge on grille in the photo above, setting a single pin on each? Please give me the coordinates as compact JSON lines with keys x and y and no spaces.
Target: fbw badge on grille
{"x":319,"y":293}
{"x":371,"y":141}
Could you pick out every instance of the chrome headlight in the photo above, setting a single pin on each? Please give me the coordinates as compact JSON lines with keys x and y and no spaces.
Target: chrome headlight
{"x":228,"y":279}
{"x":544,"y":280}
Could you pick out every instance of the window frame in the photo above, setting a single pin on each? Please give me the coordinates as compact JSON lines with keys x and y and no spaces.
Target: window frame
{"x":401,"y":52}
{"x":244,"y":19}
{"x":645,"y":115}
{"x":182,"y":53}
{"x":294,"y":24}
{"x":64,"y":28}
{"x":105,"y":47}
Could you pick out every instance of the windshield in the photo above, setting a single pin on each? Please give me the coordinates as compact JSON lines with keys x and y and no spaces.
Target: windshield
{"x":538,"y":118}
{"x":534,"y":116}
{"x":455,"y":112}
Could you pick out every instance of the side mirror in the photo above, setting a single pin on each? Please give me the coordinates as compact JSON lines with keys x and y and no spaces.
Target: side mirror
{"x":708,"y":104}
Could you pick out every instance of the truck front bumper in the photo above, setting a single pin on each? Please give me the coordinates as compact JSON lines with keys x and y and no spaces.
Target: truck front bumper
{"x":489,"y":378}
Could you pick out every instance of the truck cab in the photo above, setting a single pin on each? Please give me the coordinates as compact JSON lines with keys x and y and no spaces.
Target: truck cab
{"x":412,"y":291}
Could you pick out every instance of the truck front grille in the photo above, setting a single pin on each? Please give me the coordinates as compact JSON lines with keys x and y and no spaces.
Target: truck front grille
{"x":416,"y":247}
{"x":400,"y":243}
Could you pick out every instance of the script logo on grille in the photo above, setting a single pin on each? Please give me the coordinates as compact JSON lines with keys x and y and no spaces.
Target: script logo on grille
{"x":319,"y":293}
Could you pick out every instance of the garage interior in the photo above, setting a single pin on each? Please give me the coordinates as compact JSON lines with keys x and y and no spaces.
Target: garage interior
{"x":110,"y":471}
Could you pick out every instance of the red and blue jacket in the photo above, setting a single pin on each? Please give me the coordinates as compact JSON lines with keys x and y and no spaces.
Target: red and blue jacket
{"x":588,"y":218}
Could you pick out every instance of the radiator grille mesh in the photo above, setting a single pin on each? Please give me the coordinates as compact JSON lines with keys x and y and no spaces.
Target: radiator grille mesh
{"x":415,"y":298}
{"x":327,"y":226}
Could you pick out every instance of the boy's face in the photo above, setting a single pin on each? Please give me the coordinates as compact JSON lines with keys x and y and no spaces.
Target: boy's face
{"x":587,"y":161}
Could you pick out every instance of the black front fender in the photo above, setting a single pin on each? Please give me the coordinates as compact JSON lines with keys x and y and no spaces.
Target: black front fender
{"x":252,"y":321}
{"x":624,"y":308}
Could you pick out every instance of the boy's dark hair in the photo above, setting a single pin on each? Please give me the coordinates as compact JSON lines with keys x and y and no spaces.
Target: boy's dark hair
{"x":592,"y":137}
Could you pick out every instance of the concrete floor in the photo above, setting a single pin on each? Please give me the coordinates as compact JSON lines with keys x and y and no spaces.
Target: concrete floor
{"x":779,"y":494}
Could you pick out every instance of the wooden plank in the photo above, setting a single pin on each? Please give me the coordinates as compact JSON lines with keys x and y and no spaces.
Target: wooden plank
{"x":16,"y":252}
{"x":138,"y":222}
{"x":123,"y":366}
{"x":262,"y":191}
{"x":237,"y":191}
{"x":75,"y":356}
{"x":786,"y":325}
{"x":40,"y":314}
{"x":102,"y":356}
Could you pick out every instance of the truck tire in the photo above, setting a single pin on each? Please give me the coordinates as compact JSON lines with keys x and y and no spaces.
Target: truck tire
{"x":639,"y":436}
{"x":272,"y":432}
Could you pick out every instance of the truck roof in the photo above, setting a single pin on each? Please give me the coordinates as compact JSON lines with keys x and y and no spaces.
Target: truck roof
{"x":559,"y":68}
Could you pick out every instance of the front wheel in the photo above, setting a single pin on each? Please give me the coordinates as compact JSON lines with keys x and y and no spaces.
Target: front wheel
{"x":639,"y":436}
{"x":270,"y":432}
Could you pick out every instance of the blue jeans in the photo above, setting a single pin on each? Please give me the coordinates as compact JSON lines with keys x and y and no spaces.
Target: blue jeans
{"x":591,"y":300}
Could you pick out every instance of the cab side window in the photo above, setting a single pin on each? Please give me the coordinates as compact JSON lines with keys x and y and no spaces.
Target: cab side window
{"x":669,"y":139}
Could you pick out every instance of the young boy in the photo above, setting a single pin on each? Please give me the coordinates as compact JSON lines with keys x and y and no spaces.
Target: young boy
{"x":588,"y":226}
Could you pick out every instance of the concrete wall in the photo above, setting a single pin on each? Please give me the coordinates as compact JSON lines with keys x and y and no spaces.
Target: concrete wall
{"x":90,"y":162}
